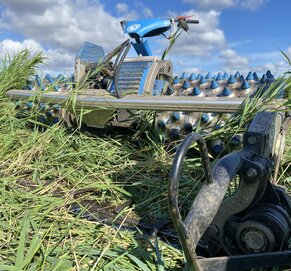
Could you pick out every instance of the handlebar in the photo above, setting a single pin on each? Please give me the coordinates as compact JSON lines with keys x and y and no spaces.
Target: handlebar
{"x":187,"y":21}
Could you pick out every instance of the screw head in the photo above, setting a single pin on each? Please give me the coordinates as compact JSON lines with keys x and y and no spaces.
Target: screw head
{"x":212,"y":231}
{"x":252,"y":172}
{"x":252,"y":140}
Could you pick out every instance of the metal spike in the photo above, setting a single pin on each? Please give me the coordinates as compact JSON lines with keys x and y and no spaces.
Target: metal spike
{"x":204,"y":118}
{"x":56,"y":88}
{"x":161,"y":124}
{"x":183,"y":76}
{"x":202,"y":80}
{"x":176,"y":80}
{"x":219,"y":76}
{"x":217,"y":147}
{"x":186,"y":85}
{"x":245,"y":85}
{"x":176,"y":116}
{"x":192,"y":77}
{"x":269,"y":74}
{"x":226,"y":92}
{"x":231,"y":80}
{"x":175,"y":132}
{"x":209,"y":75}
{"x":250,"y":76}
{"x":188,"y":127}
{"x":263,"y":79}
{"x":38,"y":80}
{"x":214,"y":85}
{"x":225,"y":76}
{"x":255,"y":76}
{"x":196,"y":91}
{"x":237,"y":75}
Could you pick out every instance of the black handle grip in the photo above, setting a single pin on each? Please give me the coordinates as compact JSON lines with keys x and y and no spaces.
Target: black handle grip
{"x":187,"y":21}
{"x":192,"y":21}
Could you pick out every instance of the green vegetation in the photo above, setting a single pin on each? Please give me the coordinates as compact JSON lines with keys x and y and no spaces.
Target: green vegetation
{"x":50,"y":178}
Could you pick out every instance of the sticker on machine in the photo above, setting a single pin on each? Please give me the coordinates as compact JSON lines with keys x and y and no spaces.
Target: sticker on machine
{"x":133,"y":27}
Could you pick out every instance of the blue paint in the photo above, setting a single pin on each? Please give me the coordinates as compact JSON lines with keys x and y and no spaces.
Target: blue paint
{"x":225,"y":76}
{"x":209,"y":75}
{"x":183,"y":76}
{"x":192,"y":77}
{"x":188,"y":127}
{"x":174,"y":132}
{"x":255,"y":76}
{"x":60,"y":78}
{"x":241,"y":78}
{"x":143,"y":78}
{"x":186,"y":85}
{"x":226,"y":92}
{"x":161,"y":124}
{"x":269,"y":74}
{"x":250,"y":76}
{"x":158,"y":87}
{"x":217,"y":147}
{"x":142,"y":48}
{"x":56,"y":88}
{"x":219,"y":77}
{"x":231,"y":80}
{"x":146,"y":28}
{"x":49,"y":78}
{"x":176,"y":116}
{"x":176,"y":80}
{"x":196,"y":91}
{"x":245,"y":85}
{"x":202,"y":80}
{"x":41,"y":106}
{"x":214,"y":85}
{"x":38,"y":80}
{"x":56,"y":107}
{"x":237,"y":75}
{"x":198,"y":76}
{"x":263,"y":79}
{"x":235,"y":140}
{"x":170,"y":91}
{"x":204,"y":118}
{"x":90,"y":53}
{"x":29,"y":105}
{"x":48,"y":114}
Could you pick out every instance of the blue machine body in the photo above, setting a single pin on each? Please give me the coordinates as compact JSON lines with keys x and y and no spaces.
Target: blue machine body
{"x":145,"y":28}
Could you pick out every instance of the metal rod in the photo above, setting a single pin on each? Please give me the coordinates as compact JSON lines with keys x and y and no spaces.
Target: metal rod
{"x":158,"y":103}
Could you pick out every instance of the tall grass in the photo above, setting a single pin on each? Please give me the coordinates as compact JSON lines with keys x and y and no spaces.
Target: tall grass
{"x":75,"y":201}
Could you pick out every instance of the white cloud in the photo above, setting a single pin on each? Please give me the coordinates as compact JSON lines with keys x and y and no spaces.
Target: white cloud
{"x":202,"y":38}
{"x":57,"y":60}
{"x":233,"y":61}
{"x":63,"y":24}
{"x":224,"y":4}
{"x":252,"y":4}
{"x":121,"y":8}
{"x":211,"y":4}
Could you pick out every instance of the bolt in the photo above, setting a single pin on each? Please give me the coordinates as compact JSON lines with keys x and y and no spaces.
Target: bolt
{"x":212,"y":231}
{"x":252,"y":172}
{"x":252,"y":140}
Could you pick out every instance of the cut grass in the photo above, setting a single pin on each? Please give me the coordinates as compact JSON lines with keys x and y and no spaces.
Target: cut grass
{"x":45,"y":173}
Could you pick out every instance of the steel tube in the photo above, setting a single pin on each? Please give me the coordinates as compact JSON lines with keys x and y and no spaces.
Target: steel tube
{"x":158,"y":103}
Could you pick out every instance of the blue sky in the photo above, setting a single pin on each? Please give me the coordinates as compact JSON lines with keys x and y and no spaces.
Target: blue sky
{"x":233,"y":34}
